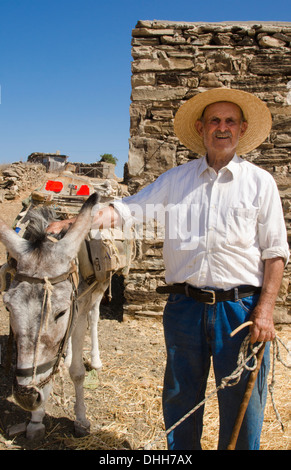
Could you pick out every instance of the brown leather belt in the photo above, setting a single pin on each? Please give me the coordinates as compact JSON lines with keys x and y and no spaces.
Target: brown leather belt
{"x":209,"y":296}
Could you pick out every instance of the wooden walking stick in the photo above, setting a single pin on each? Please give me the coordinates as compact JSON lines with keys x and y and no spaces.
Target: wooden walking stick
{"x":247,"y":395}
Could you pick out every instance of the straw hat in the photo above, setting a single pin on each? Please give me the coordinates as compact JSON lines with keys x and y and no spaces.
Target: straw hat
{"x":254,"y":110}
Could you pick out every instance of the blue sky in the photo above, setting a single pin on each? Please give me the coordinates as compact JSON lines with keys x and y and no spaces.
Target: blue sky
{"x":65,"y":68}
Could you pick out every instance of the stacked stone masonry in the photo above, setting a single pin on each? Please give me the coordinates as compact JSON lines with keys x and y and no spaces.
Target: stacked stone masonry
{"x":18,"y":177}
{"x":173,"y":62}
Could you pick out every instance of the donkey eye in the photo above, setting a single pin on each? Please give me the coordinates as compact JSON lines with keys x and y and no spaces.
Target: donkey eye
{"x":59,"y":315}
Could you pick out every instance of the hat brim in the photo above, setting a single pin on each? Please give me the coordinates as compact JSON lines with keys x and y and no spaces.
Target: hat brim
{"x":255,"y":112}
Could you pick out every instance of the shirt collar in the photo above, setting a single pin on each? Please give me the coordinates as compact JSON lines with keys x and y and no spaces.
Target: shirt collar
{"x":233,"y":165}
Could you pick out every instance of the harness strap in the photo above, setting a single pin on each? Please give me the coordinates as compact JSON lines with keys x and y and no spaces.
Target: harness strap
{"x":53,"y":280}
{"x":41,"y":369}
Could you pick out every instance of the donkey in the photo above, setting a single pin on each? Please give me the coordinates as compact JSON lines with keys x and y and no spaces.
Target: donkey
{"x":48,"y":303}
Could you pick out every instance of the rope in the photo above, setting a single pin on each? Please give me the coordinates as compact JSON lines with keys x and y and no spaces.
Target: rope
{"x":48,"y":288}
{"x":277,"y":355}
{"x":234,"y":378}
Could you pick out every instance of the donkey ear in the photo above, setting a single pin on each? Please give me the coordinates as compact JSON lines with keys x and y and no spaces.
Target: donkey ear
{"x":14,"y":244}
{"x":79,"y":229}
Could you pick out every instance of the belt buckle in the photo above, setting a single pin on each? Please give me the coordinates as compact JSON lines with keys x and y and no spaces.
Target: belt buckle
{"x":212,"y":292}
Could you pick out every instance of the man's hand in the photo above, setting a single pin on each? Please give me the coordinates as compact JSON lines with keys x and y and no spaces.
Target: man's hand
{"x":263,"y":328}
{"x":58,"y":226}
{"x":105,"y":218}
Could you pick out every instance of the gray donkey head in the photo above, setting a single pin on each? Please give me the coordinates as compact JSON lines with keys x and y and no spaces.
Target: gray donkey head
{"x":40,"y":297}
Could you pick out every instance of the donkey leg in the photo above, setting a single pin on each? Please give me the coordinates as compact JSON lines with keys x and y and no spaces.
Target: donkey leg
{"x":77,"y":374}
{"x":68,"y":358}
{"x":35,"y":429}
{"x":94,"y":318}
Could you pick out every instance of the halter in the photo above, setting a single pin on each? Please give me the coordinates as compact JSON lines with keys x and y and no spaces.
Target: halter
{"x":72,"y":275}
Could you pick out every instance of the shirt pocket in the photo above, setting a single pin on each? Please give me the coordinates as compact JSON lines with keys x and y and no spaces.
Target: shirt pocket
{"x":241,"y":227}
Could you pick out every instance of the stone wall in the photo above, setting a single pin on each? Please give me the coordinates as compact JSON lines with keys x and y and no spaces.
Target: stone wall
{"x":171,"y":63}
{"x":18,"y":177}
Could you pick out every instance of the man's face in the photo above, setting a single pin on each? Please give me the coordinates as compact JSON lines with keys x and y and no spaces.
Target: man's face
{"x":221,"y":127}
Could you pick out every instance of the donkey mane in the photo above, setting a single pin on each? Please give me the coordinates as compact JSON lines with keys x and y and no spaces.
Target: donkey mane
{"x":39,"y":220}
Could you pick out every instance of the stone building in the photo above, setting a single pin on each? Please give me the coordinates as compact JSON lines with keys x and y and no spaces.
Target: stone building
{"x":52,"y":161}
{"x":173,"y":61}
{"x":96,"y":170}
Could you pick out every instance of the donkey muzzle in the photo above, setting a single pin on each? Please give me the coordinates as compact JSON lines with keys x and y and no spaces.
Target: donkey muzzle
{"x":28,"y":397}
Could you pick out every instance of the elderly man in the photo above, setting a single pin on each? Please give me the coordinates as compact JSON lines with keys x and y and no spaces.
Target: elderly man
{"x":225,"y":249}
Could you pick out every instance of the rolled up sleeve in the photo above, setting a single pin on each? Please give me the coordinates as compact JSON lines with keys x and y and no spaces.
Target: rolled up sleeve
{"x":271,"y":225}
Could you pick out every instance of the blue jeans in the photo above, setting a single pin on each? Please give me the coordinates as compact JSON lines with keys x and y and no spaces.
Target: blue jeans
{"x":194,"y":332}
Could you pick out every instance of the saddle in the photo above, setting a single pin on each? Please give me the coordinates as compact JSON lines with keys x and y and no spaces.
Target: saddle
{"x":104,"y":253}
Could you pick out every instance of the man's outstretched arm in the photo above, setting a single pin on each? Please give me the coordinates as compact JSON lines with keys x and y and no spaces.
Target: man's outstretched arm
{"x":106,"y":217}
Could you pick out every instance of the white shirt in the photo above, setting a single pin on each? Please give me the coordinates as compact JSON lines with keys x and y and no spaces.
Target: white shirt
{"x":219,"y":228}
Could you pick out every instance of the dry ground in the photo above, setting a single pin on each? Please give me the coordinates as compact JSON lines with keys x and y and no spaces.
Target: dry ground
{"x":124,"y":398}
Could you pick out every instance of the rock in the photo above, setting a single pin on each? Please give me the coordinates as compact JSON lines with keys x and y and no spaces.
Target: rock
{"x":210,"y":80}
{"x":282,"y":37}
{"x":146,"y":32}
{"x":270,"y":41}
{"x":146,"y":65}
{"x":12,"y":173}
{"x":176,"y":39}
{"x":149,"y":93}
{"x":143,"y":79}
{"x":120,"y":352}
{"x":283,"y":140}
{"x":202,"y":40}
{"x":223,"y":39}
